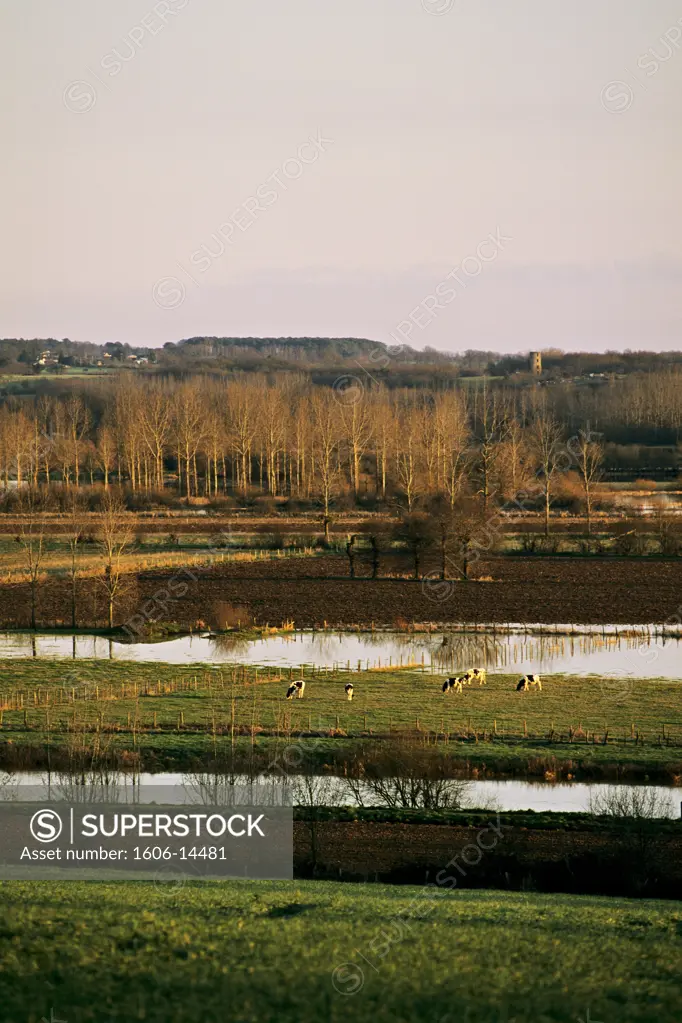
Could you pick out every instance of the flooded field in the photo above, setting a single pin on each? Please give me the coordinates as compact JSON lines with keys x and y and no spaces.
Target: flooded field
{"x":573,"y":797}
{"x":617,"y":651}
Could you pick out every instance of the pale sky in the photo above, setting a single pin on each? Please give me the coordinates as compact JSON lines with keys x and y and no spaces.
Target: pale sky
{"x":134,"y":133}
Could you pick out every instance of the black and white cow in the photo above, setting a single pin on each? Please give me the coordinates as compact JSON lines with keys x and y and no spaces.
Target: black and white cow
{"x":349,"y":690}
{"x":476,"y":675}
{"x":529,"y":682}
{"x":296,"y":687}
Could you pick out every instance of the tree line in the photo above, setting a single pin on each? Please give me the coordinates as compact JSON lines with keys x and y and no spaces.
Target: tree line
{"x":284,"y":437}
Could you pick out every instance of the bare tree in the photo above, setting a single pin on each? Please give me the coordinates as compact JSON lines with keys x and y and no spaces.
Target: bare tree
{"x":383,"y":425}
{"x":189,"y":421}
{"x":402,"y":775}
{"x":589,"y":455}
{"x":312,"y":792}
{"x":126,"y":413}
{"x":416,"y":532}
{"x":546,"y":438}
{"x":325,"y":448}
{"x":241,"y":410}
{"x":106,"y":452}
{"x":668,"y":530}
{"x":454,"y":436}
{"x":459,"y":532}
{"x":514,"y":461}
{"x":32,"y":540}
{"x":115,"y":536}
{"x":273,"y":418}
{"x":491,"y":413}
{"x":408,"y":441}
{"x":156,"y":419}
{"x":639,"y":810}
{"x":78,"y":420}
{"x":633,"y":802}
{"x":76,"y":521}
{"x":357,"y":425}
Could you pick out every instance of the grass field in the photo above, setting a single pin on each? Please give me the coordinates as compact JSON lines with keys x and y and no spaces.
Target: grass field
{"x":266,"y":951}
{"x":151,"y":554}
{"x":116,"y":695}
{"x":167,"y":715}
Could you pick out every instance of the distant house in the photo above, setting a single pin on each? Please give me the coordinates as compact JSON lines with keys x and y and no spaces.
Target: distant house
{"x":46,"y":358}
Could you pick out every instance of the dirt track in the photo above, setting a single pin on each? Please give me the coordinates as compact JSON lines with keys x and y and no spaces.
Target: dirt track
{"x":312,"y":591}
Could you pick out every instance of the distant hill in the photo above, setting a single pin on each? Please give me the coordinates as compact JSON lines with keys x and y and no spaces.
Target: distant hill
{"x":312,"y":350}
{"x":323,"y":358}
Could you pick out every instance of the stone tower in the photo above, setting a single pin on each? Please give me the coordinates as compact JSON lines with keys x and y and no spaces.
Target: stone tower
{"x":535,"y":363}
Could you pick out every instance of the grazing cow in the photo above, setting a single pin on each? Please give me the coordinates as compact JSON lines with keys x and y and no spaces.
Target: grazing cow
{"x":452,"y":683}
{"x":349,"y":690}
{"x":296,"y":687}
{"x":529,"y":682}
{"x":478,"y":674}
{"x":291,"y":691}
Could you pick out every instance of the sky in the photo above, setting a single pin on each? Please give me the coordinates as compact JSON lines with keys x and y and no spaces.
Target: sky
{"x":448,"y":173}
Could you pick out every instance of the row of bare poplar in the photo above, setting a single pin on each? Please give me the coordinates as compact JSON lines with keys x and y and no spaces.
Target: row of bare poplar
{"x":285,"y":436}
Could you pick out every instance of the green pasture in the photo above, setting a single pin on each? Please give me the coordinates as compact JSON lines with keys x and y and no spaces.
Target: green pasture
{"x":44,"y":695}
{"x":303,"y":952}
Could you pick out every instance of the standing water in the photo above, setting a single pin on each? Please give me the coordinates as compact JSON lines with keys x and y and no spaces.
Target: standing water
{"x":608,"y":650}
{"x":570,"y":797}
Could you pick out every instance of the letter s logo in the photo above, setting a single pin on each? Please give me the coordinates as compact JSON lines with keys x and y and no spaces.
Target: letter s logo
{"x":46,"y":825}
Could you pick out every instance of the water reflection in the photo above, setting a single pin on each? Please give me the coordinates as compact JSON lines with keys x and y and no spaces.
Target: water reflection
{"x":618,"y":651}
{"x":208,"y":788}
{"x":121,"y":787}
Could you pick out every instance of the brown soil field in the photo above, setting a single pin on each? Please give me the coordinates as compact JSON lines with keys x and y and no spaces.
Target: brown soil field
{"x":306,"y":523}
{"x":517,"y":857}
{"x":312,"y":591}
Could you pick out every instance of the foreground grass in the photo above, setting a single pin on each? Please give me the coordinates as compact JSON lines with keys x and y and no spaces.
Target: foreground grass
{"x":262,"y":951}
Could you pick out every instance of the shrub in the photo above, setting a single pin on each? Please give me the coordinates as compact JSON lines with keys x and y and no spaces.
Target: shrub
{"x":265,"y":505}
{"x":221,"y":503}
{"x":630,"y":543}
{"x":275,"y":541}
{"x":150,"y":500}
{"x":304,"y":540}
{"x":297,"y":505}
{"x":668,"y":535}
{"x":94,"y":498}
{"x":549,"y":545}
{"x":370,"y":502}
{"x":568,"y":492}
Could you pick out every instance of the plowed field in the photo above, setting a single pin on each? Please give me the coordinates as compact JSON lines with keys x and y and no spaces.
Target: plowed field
{"x":314,"y":590}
